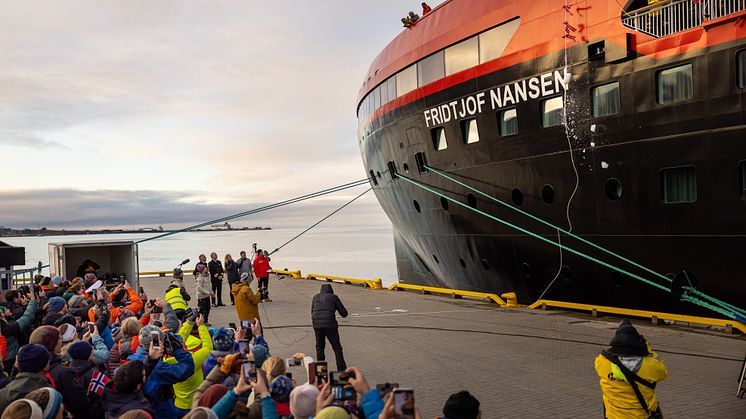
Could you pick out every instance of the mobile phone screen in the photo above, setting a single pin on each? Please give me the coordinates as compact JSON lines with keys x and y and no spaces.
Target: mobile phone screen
{"x":243,"y":346}
{"x":289,"y":375}
{"x":338,"y":378}
{"x":245,"y":324}
{"x":91,"y":327}
{"x":249,"y":371}
{"x":404,"y":404}
{"x":156,"y":339}
{"x":322,"y":371}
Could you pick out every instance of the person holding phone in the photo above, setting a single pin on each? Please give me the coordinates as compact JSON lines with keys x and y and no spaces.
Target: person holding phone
{"x":323,"y":309}
{"x":199,"y":349}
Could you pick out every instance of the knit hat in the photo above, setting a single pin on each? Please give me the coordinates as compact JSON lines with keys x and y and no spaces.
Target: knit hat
{"x":210,"y":414}
{"x":67,"y":332}
{"x":46,"y":336}
{"x":66,"y":319}
{"x":332,"y":412}
{"x":76,"y":301}
{"x":2,"y":309}
{"x":55,"y":304}
{"x":461,"y":405}
{"x":145,"y":337}
{"x":94,"y":284}
{"x":80,"y":350}
{"x":54,"y":403}
{"x":32,"y":358}
{"x":212,"y":395}
{"x":303,"y":401}
{"x":223,"y":340}
{"x":245,"y":277}
{"x":56,"y":280}
{"x":628,"y":341}
{"x":260,"y":354}
{"x":280,"y":389}
{"x":36,"y":412}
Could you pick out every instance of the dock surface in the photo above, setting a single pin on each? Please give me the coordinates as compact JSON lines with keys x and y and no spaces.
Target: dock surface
{"x":519,"y":363}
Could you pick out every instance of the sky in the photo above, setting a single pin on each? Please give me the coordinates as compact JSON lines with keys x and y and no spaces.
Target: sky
{"x":128,"y":113}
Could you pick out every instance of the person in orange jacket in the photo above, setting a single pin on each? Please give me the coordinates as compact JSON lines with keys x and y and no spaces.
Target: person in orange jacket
{"x":104,"y":296}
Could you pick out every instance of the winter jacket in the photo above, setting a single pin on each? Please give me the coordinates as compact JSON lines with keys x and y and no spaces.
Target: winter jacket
{"x":244,"y":266}
{"x":261,"y":266}
{"x":216,"y":269}
{"x":70,"y":386}
{"x":15,"y":329}
{"x":15,"y":310}
{"x":134,"y":306}
{"x":225,"y":405}
{"x":185,"y":389}
{"x":372,"y":403}
{"x":23,"y":384}
{"x":194,"y":272}
{"x":100,"y":351}
{"x":112,"y":363}
{"x":212,"y":360}
{"x":247,"y":302}
{"x":325,"y":303}
{"x":231,"y":268}
{"x":116,"y":404}
{"x":84,"y":369}
{"x":51,"y":318}
{"x":3,"y":348}
{"x":619,"y":398}
{"x":204,"y":288}
{"x":163,"y":375}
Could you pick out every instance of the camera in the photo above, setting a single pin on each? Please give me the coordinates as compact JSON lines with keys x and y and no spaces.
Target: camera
{"x":170,"y":343}
{"x":156,"y":309}
{"x":292,"y":362}
{"x":191,"y":313}
{"x":263,"y":293}
{"x":386,"y":388}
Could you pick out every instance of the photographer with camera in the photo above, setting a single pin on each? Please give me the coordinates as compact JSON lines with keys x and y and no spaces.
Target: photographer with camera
{"x":204,"y":292}
{"x":15,"y":329}
{"x":247,"y":301}
{"x":199,"y":348}
{"x":104,"y":298}
{"x":216,"y":279}
{"x":163,"y":375}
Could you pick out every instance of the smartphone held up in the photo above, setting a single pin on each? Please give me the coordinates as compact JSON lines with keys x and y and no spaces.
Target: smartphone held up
{"x":403,"y":403}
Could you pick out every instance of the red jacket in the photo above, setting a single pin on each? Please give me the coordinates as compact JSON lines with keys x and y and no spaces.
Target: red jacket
{"x":261,"y":266}
{"x":3,"y":348}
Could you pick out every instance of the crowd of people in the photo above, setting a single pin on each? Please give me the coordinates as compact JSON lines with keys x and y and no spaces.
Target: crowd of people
{"x":81,"y":349}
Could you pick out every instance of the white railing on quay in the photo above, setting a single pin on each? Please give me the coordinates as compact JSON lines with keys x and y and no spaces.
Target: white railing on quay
{"x":672,"y":16}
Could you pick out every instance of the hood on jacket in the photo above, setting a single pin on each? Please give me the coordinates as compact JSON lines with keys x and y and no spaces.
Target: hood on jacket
{"x":327,"y":289}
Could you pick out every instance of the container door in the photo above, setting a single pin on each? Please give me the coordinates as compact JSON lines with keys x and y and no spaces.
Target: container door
{"x":135,"y":278}
{"x":56,"y":260}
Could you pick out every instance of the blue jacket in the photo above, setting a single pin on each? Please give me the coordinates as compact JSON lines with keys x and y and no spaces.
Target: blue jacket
{"x":166,"y":375}
{"x":12,"y":330}
{"x":106,"y":335}
{"x":372,"y":404}
{"x":140,"y":355}
{"x":224,"y":406}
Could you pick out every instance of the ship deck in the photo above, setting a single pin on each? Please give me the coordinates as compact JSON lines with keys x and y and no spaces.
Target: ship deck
{"x":517,"y":362}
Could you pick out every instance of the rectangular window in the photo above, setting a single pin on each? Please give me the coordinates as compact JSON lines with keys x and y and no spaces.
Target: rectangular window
{"x":469,"y":131}
{"x":461,"y":56}
{"x":679,"y":184}
{"x":675,"y":84}
{"x":439,"y":138}
{"x":741,"y":68}
{"x":493,"y":42}
{"x":376,"y":99}
{"x":508,"y":120}
{"x":384,"y":93}
{"x":406,"y":80}
{"x":742,"y":179}
{"x":391,"y":86}
{"x":430,"y":69}
{"x":552,"y":112}
{"x":606,"y":99}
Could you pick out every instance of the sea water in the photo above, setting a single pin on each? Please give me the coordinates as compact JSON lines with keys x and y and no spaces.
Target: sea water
{"x":358,"y":252}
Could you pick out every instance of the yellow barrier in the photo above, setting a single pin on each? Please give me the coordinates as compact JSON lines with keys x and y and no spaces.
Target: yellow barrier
{"x":654,"y":315}
{"x":292,"y":274}
{"x":156,"y":273}
{"x":374,"y":284}
{"x":455,"y":293}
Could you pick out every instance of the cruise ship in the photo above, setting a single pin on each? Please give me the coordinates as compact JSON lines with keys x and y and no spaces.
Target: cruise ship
{"x":620,"y":122}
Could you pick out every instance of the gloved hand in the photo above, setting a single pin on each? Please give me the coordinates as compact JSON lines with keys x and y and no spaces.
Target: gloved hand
{"x":230,"y":362}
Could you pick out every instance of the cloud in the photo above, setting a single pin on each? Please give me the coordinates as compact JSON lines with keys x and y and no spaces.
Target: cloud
{"x":29,"y":141}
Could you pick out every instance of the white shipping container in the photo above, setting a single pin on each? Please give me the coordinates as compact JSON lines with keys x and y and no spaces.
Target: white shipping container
{"x":114,"y":257}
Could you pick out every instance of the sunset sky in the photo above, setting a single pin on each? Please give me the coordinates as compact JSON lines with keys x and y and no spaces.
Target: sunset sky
{"x":169,"y":112}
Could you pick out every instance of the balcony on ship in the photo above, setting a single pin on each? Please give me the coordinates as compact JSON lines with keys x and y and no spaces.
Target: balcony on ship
{"x":659,"y":18}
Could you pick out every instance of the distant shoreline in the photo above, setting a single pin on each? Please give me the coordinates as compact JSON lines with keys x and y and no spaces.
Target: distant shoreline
{"x":28,"y":232}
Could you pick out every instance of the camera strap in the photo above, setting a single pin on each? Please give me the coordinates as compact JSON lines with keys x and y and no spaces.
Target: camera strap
{"x":632,"y":379}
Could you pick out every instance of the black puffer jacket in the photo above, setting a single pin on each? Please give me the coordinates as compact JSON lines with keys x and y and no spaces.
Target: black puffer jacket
{"x":325,"y":303}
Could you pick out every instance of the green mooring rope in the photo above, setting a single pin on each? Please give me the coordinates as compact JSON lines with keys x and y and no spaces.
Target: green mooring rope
{"x":690,"y":299}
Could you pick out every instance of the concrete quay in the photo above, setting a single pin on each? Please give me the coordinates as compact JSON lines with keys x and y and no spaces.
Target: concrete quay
{"x":519,"y":363}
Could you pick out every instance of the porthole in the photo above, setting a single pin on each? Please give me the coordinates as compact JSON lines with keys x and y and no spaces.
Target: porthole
{"x":613,"y":189}
{"x":547,"y":194}
{"x":566,"y":273}
{"x":435,"y":258}
{"x":417,"y":206}
{"x":517,"y":196}
{"x":526,"y":270}
{"x":471,"y":200}
{"x":461,"y":261}
{"x":406,"y":167}
{"x":485,"y":265}
{"x":444,"y":203}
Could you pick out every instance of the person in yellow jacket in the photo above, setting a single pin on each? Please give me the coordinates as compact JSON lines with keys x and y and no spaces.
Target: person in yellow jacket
{"x":200,"y":348}
{"x":177,"y":296}
{"x":630,"y":360}
{"x":247,"y":301}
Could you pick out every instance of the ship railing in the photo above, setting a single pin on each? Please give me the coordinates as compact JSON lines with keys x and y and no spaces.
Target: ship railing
{"x":672,"y":16}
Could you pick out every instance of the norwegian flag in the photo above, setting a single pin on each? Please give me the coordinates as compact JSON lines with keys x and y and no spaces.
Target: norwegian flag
{"x":98,"y":382}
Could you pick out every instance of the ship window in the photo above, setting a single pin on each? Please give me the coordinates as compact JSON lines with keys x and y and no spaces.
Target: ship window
{"x":376,"y":99}
{"x":439,"y":138}
{"x":508,"y":122}
{"x":469,"y":131}
{"x":675,"y":84}
{"x":552,"y":112}
{"x":679,"y":184}
{"x":492,"y":43}
{"x":606,"y":99}
{"x":742,"y":179}
{"x":384,"y":93}
{"x":461,"y":56}
{"x":406,"y":80}
{"x":741,"y":68}
{"x":391,"y":87}
{"x":430,"y":69}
